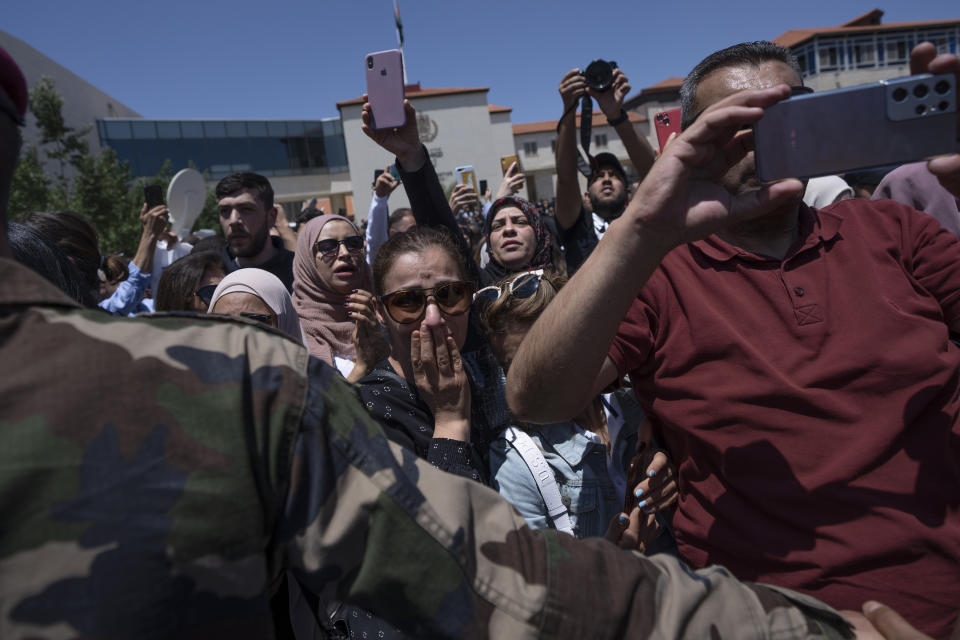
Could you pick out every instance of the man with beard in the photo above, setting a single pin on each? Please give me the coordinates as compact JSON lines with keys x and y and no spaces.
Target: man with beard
{"x":580,"y":230}
{"x":246,"y":215}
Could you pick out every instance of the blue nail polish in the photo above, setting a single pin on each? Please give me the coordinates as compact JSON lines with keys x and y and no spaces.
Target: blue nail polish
{"x":642,"y":503}
{"x":623,"y":520}
{"x":638,"y":493}
{"x":651,"y":473}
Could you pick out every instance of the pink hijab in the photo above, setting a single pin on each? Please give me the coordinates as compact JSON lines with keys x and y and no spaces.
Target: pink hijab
{"x":322,"y":312}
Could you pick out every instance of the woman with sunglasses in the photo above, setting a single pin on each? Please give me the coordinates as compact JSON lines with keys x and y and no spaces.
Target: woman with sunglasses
{"x":331,"y":292}
{"x":188,"y":283}
{"x":260,"y":296}
{"x":589,"y":456}
{"x":421,"y":394}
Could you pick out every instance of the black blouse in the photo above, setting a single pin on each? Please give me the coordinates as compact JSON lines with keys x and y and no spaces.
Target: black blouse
{"x":407,"y":420}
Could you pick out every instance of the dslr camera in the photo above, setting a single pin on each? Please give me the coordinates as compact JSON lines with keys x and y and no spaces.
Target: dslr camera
{"x":599,"y":74}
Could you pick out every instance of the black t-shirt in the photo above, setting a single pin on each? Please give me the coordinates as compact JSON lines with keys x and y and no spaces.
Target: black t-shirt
{"x":280,"y":265}
{"x":579,"y":241}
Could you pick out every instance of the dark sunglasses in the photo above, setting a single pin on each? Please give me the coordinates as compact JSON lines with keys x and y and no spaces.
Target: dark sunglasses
{"x":331,"y":246}
{"x":410,"y":305}
{"x":259,"y":317}
{"x":523,"y":286}
{"x":205,"y":293}
{"x":794,"y":91}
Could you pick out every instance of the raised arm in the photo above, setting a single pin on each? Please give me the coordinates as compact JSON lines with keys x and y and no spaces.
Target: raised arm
{"x":569,"y":198}
{"x":611,"y":103}
{"x":558,"y":368}
{"x":420,"y":181}
{"x":378,"y":219}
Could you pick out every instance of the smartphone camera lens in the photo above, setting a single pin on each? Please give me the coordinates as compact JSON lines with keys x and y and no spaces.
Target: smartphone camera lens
{"x":920,"y":90}
{"x":943,"y":106}
{"x":369,"y":62}
{"x":899,"y":94}
{"x":921,"y":108}
{"x":942,"y":87}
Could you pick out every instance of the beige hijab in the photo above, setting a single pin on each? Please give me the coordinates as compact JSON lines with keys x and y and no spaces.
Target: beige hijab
{"x":322,"y":311}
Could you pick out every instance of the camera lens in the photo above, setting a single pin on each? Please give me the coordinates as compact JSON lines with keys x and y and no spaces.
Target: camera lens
{"x":942,"y":87}
{"x":920,"y":90}
{"x":899,"y":94}
{"x":369,"y":62}
{"x":943,"y":106}
{"x":921,"y":108}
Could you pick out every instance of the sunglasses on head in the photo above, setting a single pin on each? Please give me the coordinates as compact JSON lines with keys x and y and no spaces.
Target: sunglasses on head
{"x":522,"y":286}
{"x":331,"y":246}
{"x":406,"y":306}
{"x":205,"y":293}
{"x":794,"y":91}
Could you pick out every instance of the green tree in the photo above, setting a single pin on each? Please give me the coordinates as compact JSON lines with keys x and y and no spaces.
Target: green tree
{"x":101,"y":188}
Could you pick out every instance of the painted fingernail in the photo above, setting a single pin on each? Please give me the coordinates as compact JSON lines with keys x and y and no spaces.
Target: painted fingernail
{"x":638,"y":493}
{"x":641,"y":504}
{"x":651,"y":473}
{"x":623,"y":520}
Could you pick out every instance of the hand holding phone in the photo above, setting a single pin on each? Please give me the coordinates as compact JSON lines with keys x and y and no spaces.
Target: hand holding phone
{"x":507,"y":161}
{"x":153,"y":195}
{"x":403,"y":142}
{"x":512,"y":181}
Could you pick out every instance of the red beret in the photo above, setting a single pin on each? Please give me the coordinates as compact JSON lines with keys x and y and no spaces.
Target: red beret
{"x":12,"y":82}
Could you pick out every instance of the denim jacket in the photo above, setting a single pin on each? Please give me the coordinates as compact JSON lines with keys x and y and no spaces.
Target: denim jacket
{"x":579,"y":464}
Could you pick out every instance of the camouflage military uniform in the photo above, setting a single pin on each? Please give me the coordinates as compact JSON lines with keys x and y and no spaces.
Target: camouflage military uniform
{"x":157,"y":474}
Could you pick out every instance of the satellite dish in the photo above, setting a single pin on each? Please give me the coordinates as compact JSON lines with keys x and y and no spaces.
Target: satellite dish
{"x":186,"y":196}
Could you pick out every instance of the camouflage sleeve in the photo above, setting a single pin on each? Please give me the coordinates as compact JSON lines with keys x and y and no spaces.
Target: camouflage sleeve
{"x":441,"y":556}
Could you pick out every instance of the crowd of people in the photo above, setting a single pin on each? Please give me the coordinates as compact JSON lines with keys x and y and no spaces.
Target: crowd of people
{"x":712,"y":408}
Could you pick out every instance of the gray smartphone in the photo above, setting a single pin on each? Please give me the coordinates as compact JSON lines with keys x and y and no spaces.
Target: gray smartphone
{"x":871,"y":125}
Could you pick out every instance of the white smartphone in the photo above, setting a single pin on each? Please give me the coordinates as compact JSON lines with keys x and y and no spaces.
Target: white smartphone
{"x":467,"y":175}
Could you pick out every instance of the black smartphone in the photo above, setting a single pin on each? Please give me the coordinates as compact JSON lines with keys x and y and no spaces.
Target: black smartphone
{"x":887,"y":122}
{"x":376,"y":174}
{"x":483,"y":188}
{"x":153,"y":195}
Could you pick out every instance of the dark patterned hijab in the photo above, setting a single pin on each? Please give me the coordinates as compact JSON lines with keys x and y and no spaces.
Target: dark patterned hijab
{"x":542,"y":255}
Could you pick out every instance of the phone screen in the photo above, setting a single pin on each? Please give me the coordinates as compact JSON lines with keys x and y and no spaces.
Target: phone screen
{"x":483,"y":187}
{"x":153,"y":195}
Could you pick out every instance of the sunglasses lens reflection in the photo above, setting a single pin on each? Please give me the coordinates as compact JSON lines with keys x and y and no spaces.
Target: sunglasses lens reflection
{"x":525,"y":286}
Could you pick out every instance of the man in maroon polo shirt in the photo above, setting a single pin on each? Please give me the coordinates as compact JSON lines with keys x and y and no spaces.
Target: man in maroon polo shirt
{"x":797,"y":363}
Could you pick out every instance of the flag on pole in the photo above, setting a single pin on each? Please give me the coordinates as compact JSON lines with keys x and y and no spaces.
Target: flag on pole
{"x":396,"y":13}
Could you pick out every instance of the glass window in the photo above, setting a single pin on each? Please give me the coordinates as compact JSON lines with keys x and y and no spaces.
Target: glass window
{"x":530,"y":148}
{"x":295,"y":128}
{"x":828,"y":56}
{"x":236,"y":129}
{"x":191,"y":129}
{"x":168,"y":129}
{"x":117,"y":130}
{"x":144,"y":130}
{"x":277,"y":128}
{"x":896,"y":51}
{"x":214,"y":129}
{"x":863,"y":54}
{"x":257,"y":129}
{"x":600,"y":139}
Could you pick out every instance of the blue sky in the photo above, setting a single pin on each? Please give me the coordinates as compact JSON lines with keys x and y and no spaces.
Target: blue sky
{"x":296,"y":59}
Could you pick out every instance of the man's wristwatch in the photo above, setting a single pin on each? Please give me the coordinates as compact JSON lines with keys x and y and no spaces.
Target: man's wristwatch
{"x":619,"y":119}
